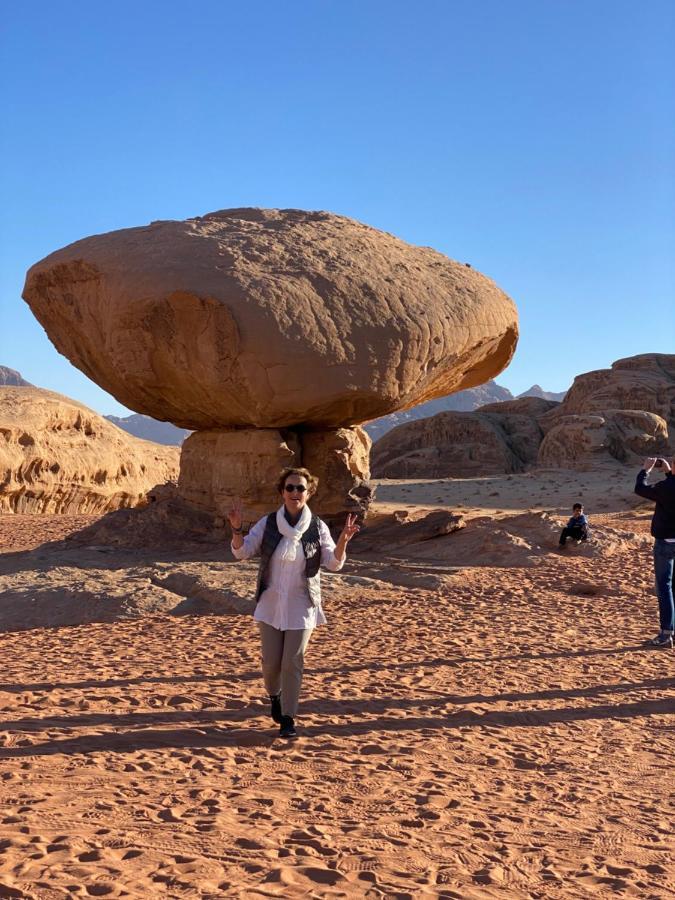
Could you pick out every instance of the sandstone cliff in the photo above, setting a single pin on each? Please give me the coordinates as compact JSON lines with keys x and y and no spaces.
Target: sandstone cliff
{"x":57,"y":456}
{"x":621,"y":414}
{"x":498,"y":438}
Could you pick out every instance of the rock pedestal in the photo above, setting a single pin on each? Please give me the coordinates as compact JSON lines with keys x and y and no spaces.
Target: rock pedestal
{"x":217,"y":466}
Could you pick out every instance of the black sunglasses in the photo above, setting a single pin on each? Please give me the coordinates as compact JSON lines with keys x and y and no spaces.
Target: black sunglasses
{"x":300,"y":488}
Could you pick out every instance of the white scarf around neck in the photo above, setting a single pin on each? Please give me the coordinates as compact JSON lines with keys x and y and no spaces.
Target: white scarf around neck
{"x":291,"y":534}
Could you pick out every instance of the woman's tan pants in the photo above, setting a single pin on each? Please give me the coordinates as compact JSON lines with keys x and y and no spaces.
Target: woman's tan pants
{"x":283,"y":661}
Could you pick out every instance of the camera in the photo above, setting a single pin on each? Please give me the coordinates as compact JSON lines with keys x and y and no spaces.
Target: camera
{"x":658,"y":464}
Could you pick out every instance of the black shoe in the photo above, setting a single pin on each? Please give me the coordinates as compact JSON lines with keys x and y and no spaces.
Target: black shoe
{"x":662,"y":641}
{"x":275,"y":708}
{"x":287,"y":729}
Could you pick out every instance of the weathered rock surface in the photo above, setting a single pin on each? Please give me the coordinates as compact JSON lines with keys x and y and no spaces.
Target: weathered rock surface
{"x":462,"y":445}
{"x":624,"y":435}
{"x":623,"y":413}
{"x":341,"y":460}
{"x":645,"y":382}
{"x":618,"y":414}
{"x":58,"y":456}
{"x":270,"y":318}
{"x":217,"y":466}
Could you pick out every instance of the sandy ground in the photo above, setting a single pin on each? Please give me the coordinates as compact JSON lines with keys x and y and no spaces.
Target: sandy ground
{"x":468,"y":729}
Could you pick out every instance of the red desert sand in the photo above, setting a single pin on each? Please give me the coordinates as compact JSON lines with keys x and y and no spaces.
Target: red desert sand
{"x":470,"y":729}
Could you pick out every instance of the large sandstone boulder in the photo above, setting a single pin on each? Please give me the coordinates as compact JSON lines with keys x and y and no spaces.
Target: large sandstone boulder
{"x":271,"y":319}
{"x":57,"y":456}
{"x":279,"y":320}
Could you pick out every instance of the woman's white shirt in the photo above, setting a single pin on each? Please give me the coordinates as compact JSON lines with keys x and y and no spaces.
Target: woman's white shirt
{"x":285,"y":603}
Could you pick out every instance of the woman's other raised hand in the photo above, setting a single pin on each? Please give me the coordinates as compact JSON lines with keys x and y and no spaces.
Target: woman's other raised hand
{"x":236,"y":514}
{"x":351,"y":528}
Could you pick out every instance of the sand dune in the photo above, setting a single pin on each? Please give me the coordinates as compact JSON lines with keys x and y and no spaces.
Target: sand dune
{"x":468,"y":731}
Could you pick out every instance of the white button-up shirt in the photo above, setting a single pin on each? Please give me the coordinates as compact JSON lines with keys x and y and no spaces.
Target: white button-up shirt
{"x":285,"y":603}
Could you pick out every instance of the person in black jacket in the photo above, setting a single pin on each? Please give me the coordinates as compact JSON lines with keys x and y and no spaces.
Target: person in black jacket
{"x":663,"y":531}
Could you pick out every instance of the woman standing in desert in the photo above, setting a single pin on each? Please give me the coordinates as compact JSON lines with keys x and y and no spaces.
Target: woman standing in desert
{"x":292,"y":544}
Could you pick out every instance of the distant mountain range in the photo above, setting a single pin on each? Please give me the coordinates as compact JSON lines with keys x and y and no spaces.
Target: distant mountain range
{"x":150,"y":429}
{"x":12,"y":378}
{"x":464,"y":401}
{"x":536,"y":391}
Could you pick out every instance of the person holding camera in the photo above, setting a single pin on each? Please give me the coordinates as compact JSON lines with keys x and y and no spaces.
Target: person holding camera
{"x":663,"y":532}
{"x":292,"y":544}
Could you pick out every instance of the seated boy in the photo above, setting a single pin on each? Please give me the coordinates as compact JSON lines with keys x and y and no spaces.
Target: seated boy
{"x":577,"y":527}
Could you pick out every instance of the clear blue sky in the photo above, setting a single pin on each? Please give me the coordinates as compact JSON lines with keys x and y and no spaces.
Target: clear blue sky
{"x":534,"y":139}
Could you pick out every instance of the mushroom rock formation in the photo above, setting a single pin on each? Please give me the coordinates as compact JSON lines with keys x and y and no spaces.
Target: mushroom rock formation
{"x":270,"y":319}
{"x":58,"y":456}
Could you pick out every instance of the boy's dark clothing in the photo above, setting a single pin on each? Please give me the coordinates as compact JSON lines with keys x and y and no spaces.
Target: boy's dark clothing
{"x":576,"y":528}
{"x":663,"y":531}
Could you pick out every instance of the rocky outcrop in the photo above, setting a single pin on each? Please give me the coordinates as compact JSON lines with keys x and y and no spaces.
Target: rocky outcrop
{"x":645,"y":382}
{"x":341,"y":460}
{"x":217,"y":466}
{"x":622,"y":413}
{"x":272,"y":320}
{"x":57,"y":456}
{"x":459,"y":445}
{"x":624,"y":435}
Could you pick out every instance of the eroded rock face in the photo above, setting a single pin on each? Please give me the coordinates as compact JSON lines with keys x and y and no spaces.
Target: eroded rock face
{"x":645,"y":382}
{"x":217,"y":466}
{"x":58,"y":456}
{"x":270,"y":318}
{"x":458,"y":445}
{"x":623,"y":413}
{"x":625,"y":435}
{"x":341,"y":460}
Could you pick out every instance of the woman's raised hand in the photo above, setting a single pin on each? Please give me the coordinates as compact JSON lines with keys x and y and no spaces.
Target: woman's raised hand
{"x":236,"y":514}
{"x":351,"y":528}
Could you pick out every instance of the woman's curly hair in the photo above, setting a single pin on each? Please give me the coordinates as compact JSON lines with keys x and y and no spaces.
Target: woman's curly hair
{"x":312,"y":480}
